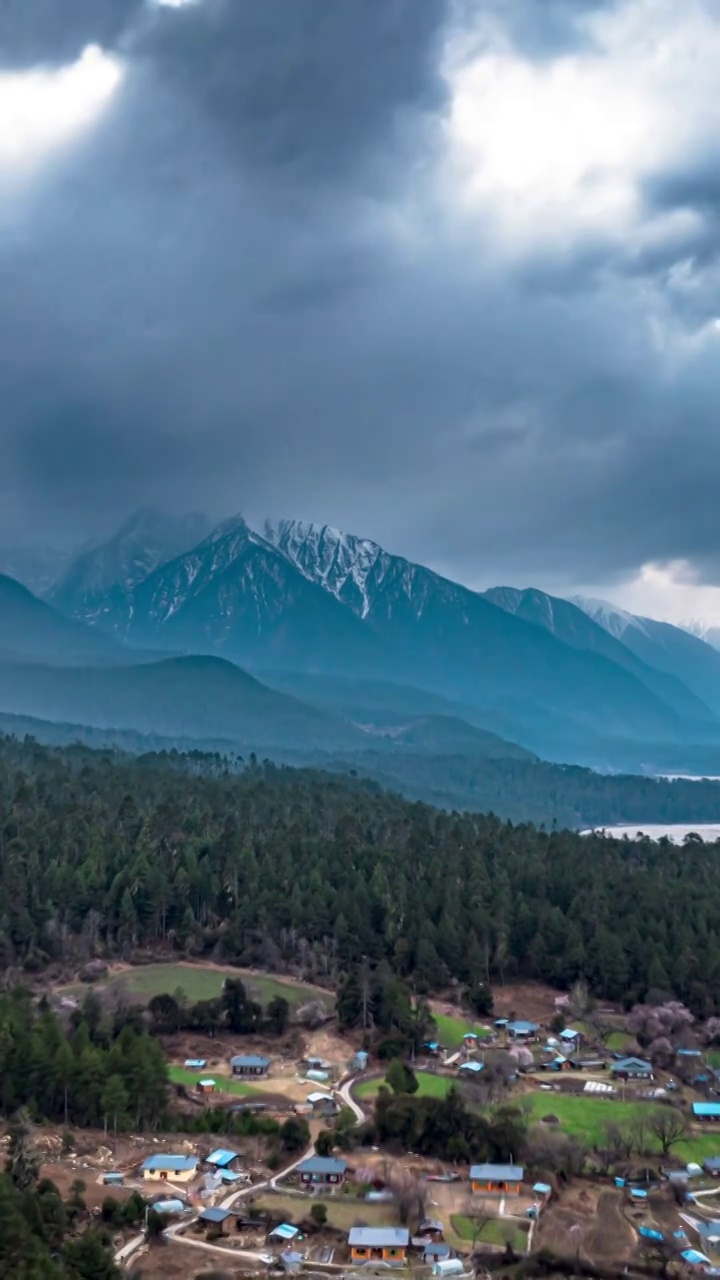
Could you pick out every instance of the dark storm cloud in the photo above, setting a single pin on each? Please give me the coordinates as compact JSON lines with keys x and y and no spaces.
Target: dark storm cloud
{"x":53,"y":32}
{"x":307,"y":84}
{"x":240,"y":291}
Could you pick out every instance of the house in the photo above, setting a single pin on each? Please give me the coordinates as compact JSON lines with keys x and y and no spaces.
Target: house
{"x":470,"y":1039}
{"x":712,"y":1166}
{"x":448,"y":1267}
{"x":284,"y":1231}
{"x":195,"y":1064}
{"x":169,"y":1168}
{"x":521,"y":1030}
{"x":542,"y":1189}
{"x":291,"y":1261}
{"x":587,"y":1064}
{"x":689,"y":1053}
{"x":470,"y":1069}
{"x":359,"y":1061}
{"x":214,"y":1216}
{"x":435,"y":1251}
{"x":706,"y":1111}
{"x":709,"y":1233}
{"x":170,"y":1208}
{"x":250,"y":1064}
{"x":432,"y":1047}
{"x":431,"y":1227}
{"x":379,"y":1244}
{"x":632,"y":1069}
{"x":322,"y":1171}
{"x":205,"y":1086}
{"x":313,"y":1063}
{"x":496,"y":1179}
{"x":322,"y":1104}
{"x":571,"y":1037}
{"x":558,"y":1064}
{"x":113,"y":1179}
{"x":222,"y":1158}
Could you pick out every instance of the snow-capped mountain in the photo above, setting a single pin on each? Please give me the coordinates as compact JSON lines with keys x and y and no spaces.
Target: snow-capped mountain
{"x":663,"y":646}
{"x":576,"y":626}
{"x":703,"y":631}
{"x":238,"y":595}
{"x":340,"y":562}
{"x":301,"y":597}
{"x":97,"y":585}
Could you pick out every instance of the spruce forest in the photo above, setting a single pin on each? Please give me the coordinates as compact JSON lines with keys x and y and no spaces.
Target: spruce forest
{"x":105,"y":854}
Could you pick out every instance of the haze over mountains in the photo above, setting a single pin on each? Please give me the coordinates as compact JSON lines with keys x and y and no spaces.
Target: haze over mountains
{"x":298,"y":638}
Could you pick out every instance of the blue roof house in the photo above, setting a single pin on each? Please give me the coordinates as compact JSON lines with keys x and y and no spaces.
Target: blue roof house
{"x":170,"y":1167}
{"x":706,"y":1111}
{"x":222,"y":1158}
{"x":250,"y":1064}
{"x":522,"y":1030}
{"x":322,"y":1170}
{"x":632,"y":1069}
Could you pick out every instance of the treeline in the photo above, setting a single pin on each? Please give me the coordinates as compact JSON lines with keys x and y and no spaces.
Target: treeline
{"x":104,"y":854}
{"x":233,"y":1011}
{"x":88,"y":1073}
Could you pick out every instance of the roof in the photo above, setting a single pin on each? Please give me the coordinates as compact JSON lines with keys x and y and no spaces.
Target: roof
{"x":497,"y":1172}
{"x":215,"y":1214}
{"x":285,"y":1231}
{"x":570,"y":1034}
{"x":689,"y":1053}
{"x":471,"y":1066}
{"x":437,"y":1251}
{"x":319,"y":1096}
{"x":624,"y":1064}
{"x":322,"y":1164}
{"x":712,"y":1163}
{"x":249,"y":1060}
{"x":431,"y":1044}
{"x":522,"y":1026}
{"x":379,"y":1237}
{"x":706,"y":1108}
{"x":470,"y":1035}
{"x":650,"y":1233}
{"x":169,"y":1206}
{"x":221,"y":1157}
{"x":692,"y":1256}
{"x":207,"y":1082}
{"x":173,"y":1163}
{"x":542,"y":1188}
{"x":198,"y":1063}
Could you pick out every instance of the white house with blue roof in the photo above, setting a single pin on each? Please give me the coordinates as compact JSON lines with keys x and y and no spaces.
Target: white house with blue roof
{"x":169,"y":1167}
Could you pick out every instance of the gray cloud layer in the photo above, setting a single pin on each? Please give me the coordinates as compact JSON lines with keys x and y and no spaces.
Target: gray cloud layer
{"x":241,"y":291}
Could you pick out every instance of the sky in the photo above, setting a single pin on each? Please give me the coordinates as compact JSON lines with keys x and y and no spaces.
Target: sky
{"x":444,"y":274}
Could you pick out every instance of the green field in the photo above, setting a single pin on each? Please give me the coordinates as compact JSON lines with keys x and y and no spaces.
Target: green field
{"x":342,"y":1212}
{"x":582,"y":1116}
{"x":201,"y":983}
{"x":429,"y":1086}
{"x":450,"y":1030}
{"x":586,"y":1118}
{"x":494,"y":1231}
{"x":182,"y":1075}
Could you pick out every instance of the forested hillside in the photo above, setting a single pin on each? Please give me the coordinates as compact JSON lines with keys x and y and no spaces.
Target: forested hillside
{"x":277,"y":866}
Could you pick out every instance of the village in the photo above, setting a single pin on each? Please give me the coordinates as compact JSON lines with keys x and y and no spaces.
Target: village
{"x":621,"y":1163}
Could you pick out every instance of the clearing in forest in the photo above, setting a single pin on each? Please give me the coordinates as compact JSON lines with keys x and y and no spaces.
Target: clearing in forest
{"x":203,"y":982}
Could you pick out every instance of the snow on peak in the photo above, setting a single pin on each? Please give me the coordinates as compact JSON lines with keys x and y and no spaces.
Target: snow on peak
{"x":608,"y":615}
{"x":340,"y":562}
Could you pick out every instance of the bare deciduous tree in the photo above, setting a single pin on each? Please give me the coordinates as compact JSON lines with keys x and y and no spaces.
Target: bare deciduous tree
{"x":669,"y":1125}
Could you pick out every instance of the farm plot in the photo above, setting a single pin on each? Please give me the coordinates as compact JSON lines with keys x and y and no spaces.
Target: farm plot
{"x":429,"y":1086}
